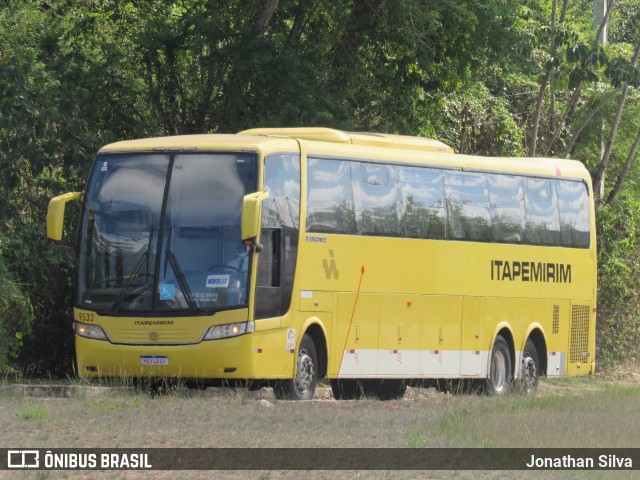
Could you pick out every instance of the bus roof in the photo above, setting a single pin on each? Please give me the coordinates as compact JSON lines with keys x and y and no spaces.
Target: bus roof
{"x":384,"y":140}
{"x":335,"y":142}
{"x":331,"y":142}
{"x":187,"y":143}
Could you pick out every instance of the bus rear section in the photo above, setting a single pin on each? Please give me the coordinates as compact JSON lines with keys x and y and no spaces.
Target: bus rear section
{"x":447,"y":268}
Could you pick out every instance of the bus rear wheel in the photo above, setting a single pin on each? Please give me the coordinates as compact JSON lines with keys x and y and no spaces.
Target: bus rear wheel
{"x":303,"y":385}
{"x":500,"y":374}
{"x":530,"y":369}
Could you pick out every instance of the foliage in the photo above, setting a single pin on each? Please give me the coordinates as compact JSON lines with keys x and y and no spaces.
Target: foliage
{"x":477,"y":123}
{"x":47,"y":278}
{"x":16,"y":315}
{"x":480,"y":75}
{"x":44,"y":289}
{"x":618,"y":326}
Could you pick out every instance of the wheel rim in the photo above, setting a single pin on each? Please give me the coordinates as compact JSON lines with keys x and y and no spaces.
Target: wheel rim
{"x":304,"y":376}
{"x":529,"y":373}
{"x":499,"y":371}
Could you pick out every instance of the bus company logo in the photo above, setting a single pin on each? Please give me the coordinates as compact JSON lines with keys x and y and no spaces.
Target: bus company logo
{"x":145,"y":323}
{"x":543,"y":272}
{"x":23,"y":459}
{"x":153,"y":336}
{"x":330,"y":268}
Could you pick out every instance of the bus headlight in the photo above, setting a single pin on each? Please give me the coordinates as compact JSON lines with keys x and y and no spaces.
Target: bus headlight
{"x":228,"y":330}
{"x":90,"y":331}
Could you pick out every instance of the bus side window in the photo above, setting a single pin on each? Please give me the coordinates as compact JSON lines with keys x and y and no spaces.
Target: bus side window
{"x":467,"y":197}
{"x":506,"y":198}
{"x":423,"y":212}
{"x":330,"y":197}
{"x":573,"y":203}
{"x":376,"y":199}
{"x":543,"y":221}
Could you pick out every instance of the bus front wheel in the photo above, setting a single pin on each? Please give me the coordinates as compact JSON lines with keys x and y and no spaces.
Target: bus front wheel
{"x":500,"y":374}
{"x":303,"y":385}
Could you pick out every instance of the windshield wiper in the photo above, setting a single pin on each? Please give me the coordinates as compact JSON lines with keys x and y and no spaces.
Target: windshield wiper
{"x":182,"y":281}
{"x":144,"y":259}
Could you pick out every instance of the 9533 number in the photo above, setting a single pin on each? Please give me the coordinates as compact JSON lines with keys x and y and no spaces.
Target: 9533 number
{"x":86,"y":316}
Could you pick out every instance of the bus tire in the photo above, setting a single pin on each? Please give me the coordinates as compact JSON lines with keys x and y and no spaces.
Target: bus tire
{"x":530,"y":373}
{"x":500,"y":374}
{"x":347,"y":389}
{"x":303,"y":385}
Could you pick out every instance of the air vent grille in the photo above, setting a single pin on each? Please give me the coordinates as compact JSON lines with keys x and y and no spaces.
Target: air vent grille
{"x":579,"y":347}
{"x":556,"y":319}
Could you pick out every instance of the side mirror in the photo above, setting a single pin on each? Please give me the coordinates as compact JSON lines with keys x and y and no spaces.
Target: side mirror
{"x":55,"y":214}
{"x":251,"y":214}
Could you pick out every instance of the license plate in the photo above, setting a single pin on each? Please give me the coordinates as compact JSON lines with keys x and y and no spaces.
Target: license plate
{"x":154,"y":360}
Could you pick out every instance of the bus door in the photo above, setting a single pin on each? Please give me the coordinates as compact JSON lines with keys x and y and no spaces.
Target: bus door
{"x":279,"y":236}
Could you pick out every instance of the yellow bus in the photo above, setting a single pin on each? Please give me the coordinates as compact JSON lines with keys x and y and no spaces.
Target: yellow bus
{"x":284,"y":256}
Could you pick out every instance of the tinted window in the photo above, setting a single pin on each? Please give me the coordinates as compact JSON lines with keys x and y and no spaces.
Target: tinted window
{"x":201,"y":244}
{"x":161,"y":233}
{"x":423,"y":202}
{"x":423,"y":212}
{"x":573,"y":200}
{"x":506,"y":199}
{"x":543,"y":221}
{"x":282,"y":181}
{"x":376,"y":198}
{"x":330,"y":198}
{"x":468,"y":206}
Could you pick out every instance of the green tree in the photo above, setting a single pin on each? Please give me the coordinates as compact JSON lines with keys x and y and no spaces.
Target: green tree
{"x":16,"y":315}
{"x":488,"y":77}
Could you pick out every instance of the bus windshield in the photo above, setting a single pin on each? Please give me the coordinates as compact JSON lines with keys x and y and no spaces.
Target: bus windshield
{"x":160,"y":232}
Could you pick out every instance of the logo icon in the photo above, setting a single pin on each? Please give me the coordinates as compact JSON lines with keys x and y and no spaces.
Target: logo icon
{"x":330,"y":268}
{"x":153,"y":336}
{"x":23,"y":459}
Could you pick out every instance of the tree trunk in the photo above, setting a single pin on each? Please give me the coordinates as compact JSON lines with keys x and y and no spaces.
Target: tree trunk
{"x":598,"y":177}
{"x":305,"y":7}
{"x":625,"y":171}
{"x":575,"y":96}
{"x":547,"y":76}
{"x":605,"y":21}
{"x":595,"y":110}
{"x":264,"y":10}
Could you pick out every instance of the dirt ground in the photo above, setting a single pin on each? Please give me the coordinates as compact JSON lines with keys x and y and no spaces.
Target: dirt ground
{"x":596,"y":412}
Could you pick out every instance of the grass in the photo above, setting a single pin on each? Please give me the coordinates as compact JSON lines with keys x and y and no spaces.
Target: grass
{"x":436,"y":420}
{"x":595,"y":412}
{"x":33,"y":411}
{"x":608,"y":418}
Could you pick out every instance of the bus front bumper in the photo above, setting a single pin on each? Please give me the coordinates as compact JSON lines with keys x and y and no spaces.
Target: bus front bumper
{"x":250,"y":356}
